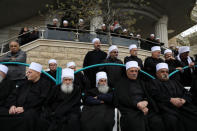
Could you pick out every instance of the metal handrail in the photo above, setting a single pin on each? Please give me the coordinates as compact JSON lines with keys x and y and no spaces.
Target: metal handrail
{"x":77,"y":33}
{"x":174,"y":72}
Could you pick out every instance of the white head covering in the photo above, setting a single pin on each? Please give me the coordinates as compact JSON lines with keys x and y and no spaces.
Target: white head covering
{"x":157,"y":38}
{"x":152,"y":35}
{"x":161,"y":66}
{"x":125,"y":30}
{"x":80,"y":20}
{"x":67,"y":72}
{"x":52,"y":61}
{"x":167,"y":51}
{"x":156,"y":48}
{"x":36,"y":67}
{"x":100,"y":75}
{"x":95,"y":39}
{"x":65,"y":22}
{"x":111,"y":48}
{"x":131,"y":34}
{"x":138,"y":35}
{"x":3,"y":69}
{"x":184,"y":49}
{"x":55,"y":19}
{"x":131,"y":64}
{"x":132,"y":46}
{"x":103,"y":24}
{"x":69,"y":64}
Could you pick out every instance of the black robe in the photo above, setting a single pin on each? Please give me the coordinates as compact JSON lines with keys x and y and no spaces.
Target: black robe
{"x":127,"y":94}
{"x":97,"y":116}
{"x":82,"y":81}
{"x":6,"y":88}
{"x":53,"y":74}
{"x":150,"y":65}
{"x":91,"y":58}
{"x":134,"y":58}
{"x":193,"y":90}
{"x":63,"y":110}
{"x":113,"y":72}
{"x":186,"y":76}
{"x":175,"y":119}
{"x":31,"y":96}
{"x":172,"y":65}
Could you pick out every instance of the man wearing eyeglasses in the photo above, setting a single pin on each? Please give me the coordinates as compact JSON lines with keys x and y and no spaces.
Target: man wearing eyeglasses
{"x":15,"y":72}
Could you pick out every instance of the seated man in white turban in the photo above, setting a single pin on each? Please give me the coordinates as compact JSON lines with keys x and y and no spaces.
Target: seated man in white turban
{"x":26,"y":103}
{"x":173,"y":64}
{"x":98,"y":111}
{"x":113,"y":72}
{"x":186,"y":60}
{"x":52,"y":71}
{"x":6,"y":87}
{"x":64,"y":104}
{"x":80,"y":79}
{"x":173,"y":101}
{"x":151,"y":62}
{"x":133,"y":56}
{"x":138,"y":110}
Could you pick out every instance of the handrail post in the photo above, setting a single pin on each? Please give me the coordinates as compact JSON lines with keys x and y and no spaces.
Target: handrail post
{"x":42,"y":34}
{"x":2,"y":46}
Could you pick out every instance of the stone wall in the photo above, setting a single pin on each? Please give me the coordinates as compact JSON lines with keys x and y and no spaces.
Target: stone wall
{"x":64,"y":51}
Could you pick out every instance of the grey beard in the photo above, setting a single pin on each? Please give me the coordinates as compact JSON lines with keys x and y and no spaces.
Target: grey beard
{"x":165,"y":77}
{"x":67,"y":88}
{"x":1,"y":78}
{"x":103,"y":89}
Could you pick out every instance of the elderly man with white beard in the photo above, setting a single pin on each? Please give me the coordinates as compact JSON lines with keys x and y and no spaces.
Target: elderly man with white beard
{"x":174,"y":102}
{"x":138,"y":110}
{"x":6,"y":87}
{"x":98,"y":110}
{"x":64,"y":104}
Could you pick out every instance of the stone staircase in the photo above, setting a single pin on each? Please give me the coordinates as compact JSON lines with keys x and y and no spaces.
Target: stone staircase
{"x":42,"y":50}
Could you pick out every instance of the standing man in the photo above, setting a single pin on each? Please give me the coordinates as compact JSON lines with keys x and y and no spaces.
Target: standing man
{"x":15,"y":72}
{"x":94,"y":57}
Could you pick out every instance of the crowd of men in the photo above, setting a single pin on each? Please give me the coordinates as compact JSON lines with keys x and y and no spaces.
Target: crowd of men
{"x":29,"y":100}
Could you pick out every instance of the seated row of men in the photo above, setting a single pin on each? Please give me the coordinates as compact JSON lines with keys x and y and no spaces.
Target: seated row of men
{"x":160,"y":104}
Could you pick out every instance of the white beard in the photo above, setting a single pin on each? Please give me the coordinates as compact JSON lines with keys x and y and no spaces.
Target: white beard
{"x":103,"y":89}
{"x":67,"y":89}
{"x":1,"y":78}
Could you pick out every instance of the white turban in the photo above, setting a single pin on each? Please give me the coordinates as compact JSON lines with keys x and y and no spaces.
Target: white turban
{"x":111,"y":48}
{"x":95,"y":39}
{"x":69,"y":64}
{"x":167,"y":51}
{"x":161,"y":66}
{"x":3,"y":69}
{"x":152,"y":35}
{"x":52,"y":61}
{"x":55,"y":19}
{"x":125,"y":30}
{"x":65,"y":22}
{"x":67,"y":73}
{"x":103,"y":24}
{"x":184,"y":49}
{"x":131,"y":34}
{"x":100,"y":75}
{"x":80,"y":20}
{"x":156,"y":48}
{"x":131,"y":64}
{"x":132,"y":46}
{"x":36,"y":67}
